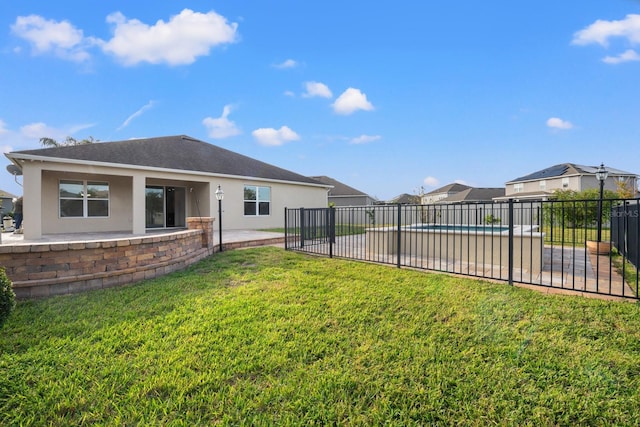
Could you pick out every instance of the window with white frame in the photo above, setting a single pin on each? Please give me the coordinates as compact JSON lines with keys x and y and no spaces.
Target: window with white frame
{"x":565,"y":182}
{"x":543,"y":185}
{"x":83,"y":199}
{"x":517,"y":188}
{"x":257,"y":200}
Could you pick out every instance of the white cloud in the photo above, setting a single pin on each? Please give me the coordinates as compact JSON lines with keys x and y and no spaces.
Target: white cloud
{"x":221,"y":127}
{"x":41,"y":130}
{"x":274,"y":137}
{"x":431,"y":181}
{"x":289,"y":93}
{"x":627,"y":56}
{"x":176,"y":42}
{"x":138,"y":113}
{"x":3,"y":127}
{"x":317,"y":89}
{"x":601,"y":31}
{"x":350,"y":101}
{"x":58,"y":37}
{"x":556,"y":123}
{"x":364,"y":139}
{"x":289,"y":63}
{"x":6,"y":148}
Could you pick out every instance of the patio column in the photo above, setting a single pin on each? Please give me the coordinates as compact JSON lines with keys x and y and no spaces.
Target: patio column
{"x":138,"y":204}
{"x":32,"y":202}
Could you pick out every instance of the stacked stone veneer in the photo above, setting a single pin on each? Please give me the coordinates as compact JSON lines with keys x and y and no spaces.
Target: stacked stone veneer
{"x":45,"y":269}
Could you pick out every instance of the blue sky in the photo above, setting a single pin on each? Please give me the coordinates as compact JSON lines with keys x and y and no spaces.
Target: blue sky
{"x":387,"y":97}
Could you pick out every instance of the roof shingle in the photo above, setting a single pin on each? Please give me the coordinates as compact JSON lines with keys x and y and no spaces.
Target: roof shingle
{"x":178,"y":152}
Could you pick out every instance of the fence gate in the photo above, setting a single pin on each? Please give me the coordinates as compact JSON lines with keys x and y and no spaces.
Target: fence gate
{"x":308,"y":229}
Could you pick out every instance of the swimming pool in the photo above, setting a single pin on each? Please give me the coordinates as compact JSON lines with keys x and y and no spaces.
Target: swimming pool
{"x":481,"y":245}
{"x":468,"y":228}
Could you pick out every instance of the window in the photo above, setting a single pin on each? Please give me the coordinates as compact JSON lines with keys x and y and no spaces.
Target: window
{"x":543,"y":185}
{"x":83,"y":199}
{"x":565,"y":182}
{"x":517,"y":188}
{"x":257,"y":200}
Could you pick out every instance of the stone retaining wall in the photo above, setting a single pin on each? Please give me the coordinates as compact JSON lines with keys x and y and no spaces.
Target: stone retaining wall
{"x":45,"y":269}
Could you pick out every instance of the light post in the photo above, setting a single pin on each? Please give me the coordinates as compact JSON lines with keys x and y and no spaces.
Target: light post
{"x":220,"y":196}
{"x":601,"y":175}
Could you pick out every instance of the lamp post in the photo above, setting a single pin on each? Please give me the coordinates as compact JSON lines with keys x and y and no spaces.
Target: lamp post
{"x":601,"y":175}
{"x":220,"y":196}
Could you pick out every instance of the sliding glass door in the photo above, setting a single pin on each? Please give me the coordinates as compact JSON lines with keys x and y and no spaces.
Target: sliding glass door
{"x":165,"y":206}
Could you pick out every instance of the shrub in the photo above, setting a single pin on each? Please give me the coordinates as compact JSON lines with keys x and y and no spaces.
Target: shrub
{"x":7,"y":297}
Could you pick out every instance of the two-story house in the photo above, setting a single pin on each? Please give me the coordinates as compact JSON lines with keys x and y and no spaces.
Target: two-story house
{"x":541,"y":185}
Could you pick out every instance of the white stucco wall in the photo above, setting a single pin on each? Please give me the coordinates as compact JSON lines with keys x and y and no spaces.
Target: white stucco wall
{"x":126,"y":204}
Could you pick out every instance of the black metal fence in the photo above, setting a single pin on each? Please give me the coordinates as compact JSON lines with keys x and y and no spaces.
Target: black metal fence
{"x":625,"y":232}
{"x":552,"y":244}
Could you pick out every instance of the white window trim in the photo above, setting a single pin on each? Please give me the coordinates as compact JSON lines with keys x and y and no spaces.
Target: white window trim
{"x":257,"y":201}
{"x":85,"y":198}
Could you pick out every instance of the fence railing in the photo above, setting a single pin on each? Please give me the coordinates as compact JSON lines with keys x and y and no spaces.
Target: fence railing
{"x":542,"y":243}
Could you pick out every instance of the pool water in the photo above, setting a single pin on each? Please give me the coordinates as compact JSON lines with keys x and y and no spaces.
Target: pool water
{"x":466,"y":228}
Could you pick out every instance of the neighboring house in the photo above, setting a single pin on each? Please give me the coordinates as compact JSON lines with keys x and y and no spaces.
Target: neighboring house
{"x":154,"y":183}
{"x":474,"y":195}
{"x":442,"y":193}
{"x":540,"y":185}
{"x":405,"y":199}
{"x":342,"y":195}
{"x":6,"y":203}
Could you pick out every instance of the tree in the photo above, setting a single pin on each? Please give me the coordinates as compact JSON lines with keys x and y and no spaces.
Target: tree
{"x":625,"y":190}
{"x":577,"y":208}
{"x":69,"y":141}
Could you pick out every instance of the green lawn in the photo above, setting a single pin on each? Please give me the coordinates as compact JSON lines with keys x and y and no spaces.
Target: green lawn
{"x":268,"y":337}
{"x":573,"y":236}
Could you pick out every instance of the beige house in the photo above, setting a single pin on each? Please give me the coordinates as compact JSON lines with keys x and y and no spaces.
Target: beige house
{"x":441,"y":193}
{"x":6,"y":203}
{"x":540,"y":185}
{"x":154,"y":183}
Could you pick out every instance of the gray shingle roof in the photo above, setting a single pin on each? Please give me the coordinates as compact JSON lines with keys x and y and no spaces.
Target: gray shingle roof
{"x":6,"y":195}
{"x":339,"y":189}
{"x":178,"y":152}
{"x":406,"y":199}
{"x":475,"y":195}
{"x":450,"y":188}
{"x":566,"y":169}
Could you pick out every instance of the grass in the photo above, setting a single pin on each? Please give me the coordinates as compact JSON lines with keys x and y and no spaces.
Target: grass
{"x":268,"y":337}
{"x":626,"y":269}
{"x":573,"y":236}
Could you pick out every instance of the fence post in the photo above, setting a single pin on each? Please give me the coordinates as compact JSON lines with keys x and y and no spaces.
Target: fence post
{"x":511,"y":241}
{"x":301,"y":227}
{"x":286,"y":240}
{"x":399,"y":239}
{"x":332,"y":230}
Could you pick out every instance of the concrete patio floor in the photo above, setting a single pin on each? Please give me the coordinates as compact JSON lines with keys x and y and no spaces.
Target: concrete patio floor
{"x":228,"y":237}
